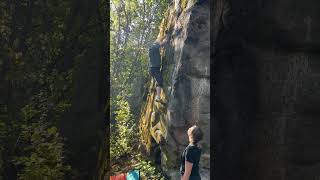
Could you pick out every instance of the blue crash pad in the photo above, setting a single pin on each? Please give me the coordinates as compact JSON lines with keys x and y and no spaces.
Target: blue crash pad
{"x":133,"y":175}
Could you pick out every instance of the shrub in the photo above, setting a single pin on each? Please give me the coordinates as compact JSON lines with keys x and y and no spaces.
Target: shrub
{"x":41,"y":155}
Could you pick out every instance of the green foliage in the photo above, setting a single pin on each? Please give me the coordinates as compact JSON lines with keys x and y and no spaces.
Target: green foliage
{"x":123,"y":131}
{"x":37,"y":91}
{"x":124,"y":143}
{"x":148,"y":169}
{"x":41,"y":157}
{"x":40,"y":152}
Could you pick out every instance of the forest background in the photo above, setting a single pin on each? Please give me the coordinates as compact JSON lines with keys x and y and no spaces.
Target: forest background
{"x":53,"y":64}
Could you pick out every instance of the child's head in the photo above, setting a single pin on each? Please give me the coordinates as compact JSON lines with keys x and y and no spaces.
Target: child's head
{"x":195,"y":134}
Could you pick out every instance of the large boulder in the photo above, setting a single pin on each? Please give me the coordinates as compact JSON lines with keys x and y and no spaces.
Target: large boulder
{"x":186,"y":91}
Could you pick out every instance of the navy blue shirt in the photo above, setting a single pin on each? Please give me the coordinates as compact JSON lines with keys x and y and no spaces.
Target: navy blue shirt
{"x":154,"y":55}
{"x":191,"y":154}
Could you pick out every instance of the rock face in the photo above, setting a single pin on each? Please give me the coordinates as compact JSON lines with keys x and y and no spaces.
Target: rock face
{"x":186,"y":92}
{"x":266,"y":101}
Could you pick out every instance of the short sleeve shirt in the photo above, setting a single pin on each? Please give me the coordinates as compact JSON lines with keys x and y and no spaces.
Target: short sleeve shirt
{"x":191,"y":154}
